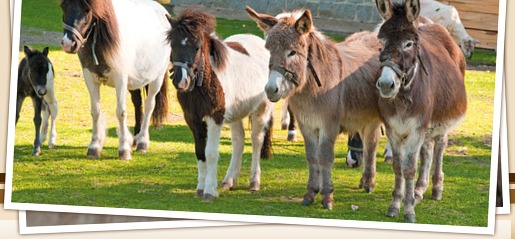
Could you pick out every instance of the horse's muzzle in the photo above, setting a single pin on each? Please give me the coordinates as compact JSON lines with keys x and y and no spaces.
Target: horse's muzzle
{"x":69,"y":46}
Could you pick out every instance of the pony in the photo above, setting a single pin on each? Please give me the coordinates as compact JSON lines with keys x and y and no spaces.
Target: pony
{"x":329,"y":87}
{"x":116,"y":47}
{"x":422,"y":97}
{"x":221,"y":82}
{"x":36,"y":80}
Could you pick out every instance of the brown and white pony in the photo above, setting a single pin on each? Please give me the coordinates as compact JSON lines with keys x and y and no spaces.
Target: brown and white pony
{"x":330,"y":88}
{"x":422,"y":98}
{"x":116,"y":47}
{"x":221,"y":82}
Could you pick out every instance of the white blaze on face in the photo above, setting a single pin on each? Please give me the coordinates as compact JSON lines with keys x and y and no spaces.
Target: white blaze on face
{"x":184,"y":41}
{"x":50,"y":77}
{"x":184,"y":79}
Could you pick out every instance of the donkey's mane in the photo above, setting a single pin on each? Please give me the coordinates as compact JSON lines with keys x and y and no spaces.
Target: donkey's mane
{"x":108,"y":38}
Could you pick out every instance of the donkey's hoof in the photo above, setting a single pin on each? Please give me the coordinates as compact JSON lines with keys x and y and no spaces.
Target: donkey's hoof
{"x":124,"y":155}
{"x":409,"y":218}
{"x":36,"y":152}
{"x":437,"y":195}
{"x":388,"y":159}
{"x":93,"y":153}
{"x":254,"y":186}
{"x":392,"y":212}
{"x":199,"y":193}
{"x":306,"y":202}
{"x":208,"y":198}
{"x":142,"y":147}
{"x":225,"y":186}
{"x":328,"y":205}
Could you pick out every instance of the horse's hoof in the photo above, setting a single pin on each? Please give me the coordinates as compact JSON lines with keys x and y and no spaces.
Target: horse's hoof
{"x":225,"y":186}
{"x":409,"y":218}
{"x":36,"y":152}
{"x":124,"y":155}
{"x":51,"y":146}
{"x":208,"y":198}
{"x":388,"y":159}
{"x":254,"y":186}
{"x":292,"y":137}
{"x":368,"y":189}
{"x":142,"y":147}
{"x":284,"y":126}
{"x":306,"y":202}
{"x":93,"y":153}
{"x":392,"y":212}
{"x":199,"y":193}
{"x":437,"y":195}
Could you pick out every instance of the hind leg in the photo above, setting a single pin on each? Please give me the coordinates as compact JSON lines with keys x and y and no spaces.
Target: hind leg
{"x":238,"y":142}
{"x":285,"y":116}
{"x":370,"y":141}
{"x":138,"y":110}
{"x":438,"y":175}
{"x":292,"y":129}
{"x":260,"y":119}
{"x":143,"y":139}
{"x":52,"y":110}
{"x":426,"y":158}
{"x":355,"y":151}
{"x":99,"y":127}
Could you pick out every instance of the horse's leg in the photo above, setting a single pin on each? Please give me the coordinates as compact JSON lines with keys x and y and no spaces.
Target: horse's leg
{"x":285,"y":116}
{"x":19,"y":103}
{"x":37,"y":102}
{"x":355,"y":151}
{"x":325,"y":156}
{"x":124,"y":136}
{"x":51,"y":110}
{"x":260,"y":118}
{"x":292,"y":129}
{"x":143,"y":139}
{"x":45,"y":115}
{"x":311,"y":144}
{"x":388,"y":155}
{"x":212,"y":154}
{"x":426,"y":158}
{"x":438,"y":175}
{"x":199,"y":130}
{"x":238,"y":142}
{"x":138,"y":110}
{"x":370,"y":141}
{"x":99,"y":130}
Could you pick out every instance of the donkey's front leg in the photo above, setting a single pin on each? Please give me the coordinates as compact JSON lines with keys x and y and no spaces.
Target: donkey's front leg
{"x":325,"y":156}
{"x":238,"y":142}
{"x":412,"y":145}
{"x":311,"y":144}
{"x":37,"y":102}
{"x":99,"y":130}
{"x":212,"y":154}
{"x":124,"y":135}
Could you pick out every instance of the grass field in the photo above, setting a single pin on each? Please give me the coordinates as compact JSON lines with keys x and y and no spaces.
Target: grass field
{"x":165,"y":178}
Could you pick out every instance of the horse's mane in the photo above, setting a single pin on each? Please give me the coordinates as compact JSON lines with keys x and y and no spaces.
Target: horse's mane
{"x":108,"y":38}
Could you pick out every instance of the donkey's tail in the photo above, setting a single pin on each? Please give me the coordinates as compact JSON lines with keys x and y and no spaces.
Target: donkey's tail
{"x":266,"y":149}
{"x":161,"y":108}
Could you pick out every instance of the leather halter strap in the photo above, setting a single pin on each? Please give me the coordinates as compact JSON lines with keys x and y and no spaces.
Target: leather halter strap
{"x":83,"y":40}
{"x":405,"y":82}
{"x":199,"y":77}
{"x":290,"y":76}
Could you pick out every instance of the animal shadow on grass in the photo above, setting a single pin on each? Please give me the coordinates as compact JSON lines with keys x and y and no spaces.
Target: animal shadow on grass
{"x":62,"y":152}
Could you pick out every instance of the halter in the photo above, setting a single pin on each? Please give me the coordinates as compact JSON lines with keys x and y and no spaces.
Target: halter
{"x":199,"y":77}
{"x":406,"y":84}
{"x":83,"y":40}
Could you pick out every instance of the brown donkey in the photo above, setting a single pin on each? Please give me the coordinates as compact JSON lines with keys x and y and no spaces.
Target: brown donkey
{"x":422,"y":98}
{"x":329,"y":87}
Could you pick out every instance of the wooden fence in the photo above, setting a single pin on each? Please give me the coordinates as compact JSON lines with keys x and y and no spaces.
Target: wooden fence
{"x":480,"y":18}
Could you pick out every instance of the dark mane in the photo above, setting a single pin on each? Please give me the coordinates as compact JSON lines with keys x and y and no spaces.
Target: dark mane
{"x":108,"y":38}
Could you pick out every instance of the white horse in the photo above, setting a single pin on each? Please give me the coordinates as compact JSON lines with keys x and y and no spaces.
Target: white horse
{"x":120,"y":43}
{"x":221,"y":82}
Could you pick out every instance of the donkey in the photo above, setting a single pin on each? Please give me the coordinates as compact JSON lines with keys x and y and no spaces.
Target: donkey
{"x":329,"y":87}
{"x":117,"y":48}
{"x":221,"y":82}
{"x":36,"y":80}
{"x":422,"y":98}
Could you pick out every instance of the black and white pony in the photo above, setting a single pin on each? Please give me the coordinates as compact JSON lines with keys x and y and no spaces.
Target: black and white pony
{"x":120,"y":44}
{"x":36,"y":80}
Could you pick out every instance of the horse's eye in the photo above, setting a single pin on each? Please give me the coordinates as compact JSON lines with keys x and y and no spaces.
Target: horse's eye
{"x":292,"y":53}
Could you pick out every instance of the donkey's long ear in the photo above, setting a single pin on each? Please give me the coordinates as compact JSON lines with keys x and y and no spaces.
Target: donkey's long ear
{"x":28,"y":51}
{"x":45,"y":51}
{"x":385,"y":8}
{"x":264,"y":21}
{"x":305,"y":23}
{"x":412,"y":9}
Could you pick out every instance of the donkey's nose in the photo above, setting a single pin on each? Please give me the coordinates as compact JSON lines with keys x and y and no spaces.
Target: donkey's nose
{"x":42,"y":91}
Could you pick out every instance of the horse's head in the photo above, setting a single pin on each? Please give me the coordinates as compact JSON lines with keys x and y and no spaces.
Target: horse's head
{"x":400,"y":48}
{"x":39,"y":69}
{"x":467,"y":45}
{"x":189,"y":37}
{"x":77,"y":23}
{"x":287,"y":38}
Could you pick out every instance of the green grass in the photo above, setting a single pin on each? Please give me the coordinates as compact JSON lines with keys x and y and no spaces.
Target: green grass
{"x":165,"y":178}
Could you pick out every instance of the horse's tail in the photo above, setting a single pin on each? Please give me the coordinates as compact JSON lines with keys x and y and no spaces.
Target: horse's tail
{"x":266,"y":149}
{"x":161,"y":108}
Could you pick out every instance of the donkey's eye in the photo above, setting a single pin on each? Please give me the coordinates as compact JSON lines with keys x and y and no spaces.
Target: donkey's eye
{"x":292,"y":53}
{"x":408,"y":44}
